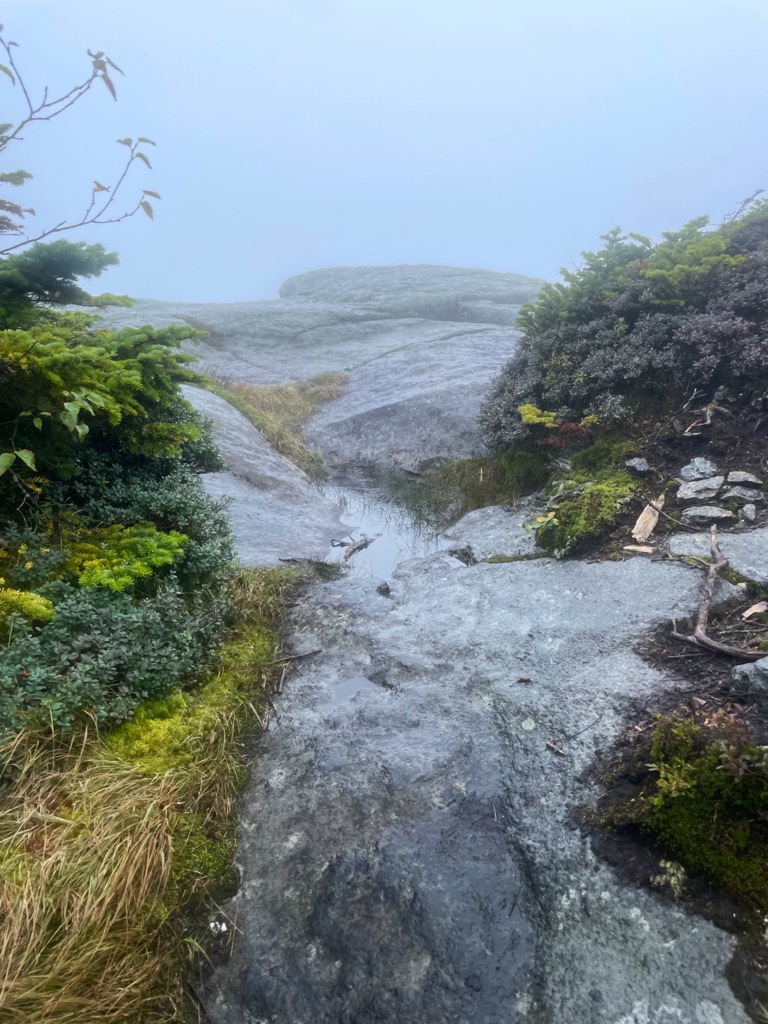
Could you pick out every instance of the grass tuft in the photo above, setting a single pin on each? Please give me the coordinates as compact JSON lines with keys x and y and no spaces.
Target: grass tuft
{"x":280,"y":411}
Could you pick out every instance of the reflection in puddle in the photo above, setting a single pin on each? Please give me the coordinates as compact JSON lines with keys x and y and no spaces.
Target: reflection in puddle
{"x":346,"y":689}
{"x":396,"y":533}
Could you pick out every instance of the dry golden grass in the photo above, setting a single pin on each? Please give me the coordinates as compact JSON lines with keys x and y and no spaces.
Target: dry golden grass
{"x":281,"y":410}
{"x":86,"y":850}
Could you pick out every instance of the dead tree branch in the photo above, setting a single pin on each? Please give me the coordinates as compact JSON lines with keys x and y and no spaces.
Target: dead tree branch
{"x":699,"y":636}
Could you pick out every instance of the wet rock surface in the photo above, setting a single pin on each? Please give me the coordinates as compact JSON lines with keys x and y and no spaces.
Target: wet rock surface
{"x":747,"y":553}
{"x":408,"y":848}
{"x":274,"y":509}
{"x":407,"y":851}
{"x":420,"y":344}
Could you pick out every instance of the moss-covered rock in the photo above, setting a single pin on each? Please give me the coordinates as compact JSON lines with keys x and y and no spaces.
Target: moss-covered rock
{"x":592,"y":509}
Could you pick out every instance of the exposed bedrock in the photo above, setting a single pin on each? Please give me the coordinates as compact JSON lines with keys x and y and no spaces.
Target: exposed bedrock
{"x":274,"y":509}
{"x":407,"y":854}
{"x":420,"y":344}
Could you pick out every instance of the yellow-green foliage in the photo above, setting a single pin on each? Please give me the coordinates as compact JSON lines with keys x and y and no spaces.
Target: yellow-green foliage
{"x":117,"y":556}
{"x":32,"y":607}
{"x":104,"y":843}
{"x":708,"y":806}
{"x":174,"y":734}
{"x":281,"y":410}
{"x":532,"y":416}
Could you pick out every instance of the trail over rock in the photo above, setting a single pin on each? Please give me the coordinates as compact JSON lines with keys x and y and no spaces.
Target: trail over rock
{"x":408,"y":855}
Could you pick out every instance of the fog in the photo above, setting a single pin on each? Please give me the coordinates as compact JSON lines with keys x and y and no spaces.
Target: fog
{"x":296,"y":134}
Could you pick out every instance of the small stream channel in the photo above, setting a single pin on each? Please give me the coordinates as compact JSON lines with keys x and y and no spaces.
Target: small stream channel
{"x":403,"y":519}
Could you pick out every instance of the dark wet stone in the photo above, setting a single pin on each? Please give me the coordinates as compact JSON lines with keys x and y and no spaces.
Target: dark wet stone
{"x":702,"y":514}
{"x":747,"y":495}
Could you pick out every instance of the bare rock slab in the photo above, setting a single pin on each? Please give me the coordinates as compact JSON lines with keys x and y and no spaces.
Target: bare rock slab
{"x":407,"y":853}
{"x":420,"y":344}
{"x":700,"y":490}
{"x":747,"y":553}
{"x":699,"y":515}
{"x":274,"y":509}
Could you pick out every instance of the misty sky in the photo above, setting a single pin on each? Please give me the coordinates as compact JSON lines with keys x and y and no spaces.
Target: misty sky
{"x":295,"y":134}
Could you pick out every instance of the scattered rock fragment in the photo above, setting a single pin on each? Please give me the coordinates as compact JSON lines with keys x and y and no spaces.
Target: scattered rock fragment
{"x":696,"y":490}
{"x":739,"y":477}
{"x":701,"y":515}
{"x":638,"y":465}
{"x":748,"y":495}
{"x":384,"y":589}
{"x":698,"y":469}
{"x":748,"y":513}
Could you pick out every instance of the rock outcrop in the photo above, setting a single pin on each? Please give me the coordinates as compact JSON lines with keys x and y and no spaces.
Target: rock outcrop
{"x":420,"y":345}
{"x":274,"y":509}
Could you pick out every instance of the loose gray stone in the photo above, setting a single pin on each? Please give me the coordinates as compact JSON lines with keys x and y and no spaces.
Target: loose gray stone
{"x":699,"y":514}
{"x":697,"y":490}
{"x":748,"y":513}
{"x":750,"y":680}
{"x":697,"y":469}
{"x":747,"y":552}
{"x":739,"y":477}
{"x":745,"y":494}
{"x":638,"y":465}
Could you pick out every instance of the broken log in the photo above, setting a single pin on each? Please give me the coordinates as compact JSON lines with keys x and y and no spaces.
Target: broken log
{"x":358,"y":545}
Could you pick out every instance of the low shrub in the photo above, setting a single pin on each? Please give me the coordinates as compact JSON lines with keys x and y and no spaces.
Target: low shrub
{"x":640,"y":322}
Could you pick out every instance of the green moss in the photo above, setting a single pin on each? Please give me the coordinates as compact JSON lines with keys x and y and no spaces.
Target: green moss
{"x":586,"y":515}
{"x":707,"y":806}
{"x":166,"y":735}
{"x":603,"y":458}
{"x":326,"y":570}
{"x":200,"y":857}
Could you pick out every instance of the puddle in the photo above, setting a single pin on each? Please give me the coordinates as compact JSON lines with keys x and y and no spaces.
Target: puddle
{"x":397,"y":534}
{"x":345,"y":689}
